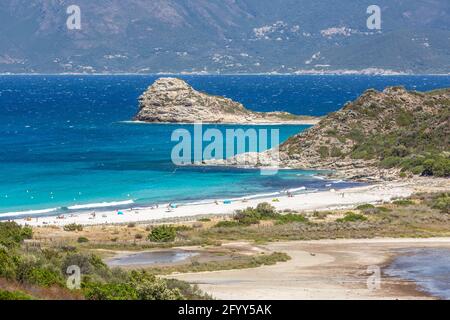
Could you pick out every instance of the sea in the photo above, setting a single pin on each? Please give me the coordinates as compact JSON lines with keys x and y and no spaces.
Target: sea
{"x":67,"y":145}
{"x":428,"y":268}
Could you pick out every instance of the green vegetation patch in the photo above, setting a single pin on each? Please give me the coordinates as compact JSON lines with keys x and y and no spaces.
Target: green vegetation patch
{"x":14,"y":295}
{"x":163,"y":233}
{"x":352,"y":217}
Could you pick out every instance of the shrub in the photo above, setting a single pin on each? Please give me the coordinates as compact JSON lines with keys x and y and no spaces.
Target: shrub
{"x":365,"y":206}
{"x":254,"y":215}
{"x":131,"y":225}
{"x":14,"y":295}
{"x":369,"y":209}
{"x":403,"y":202}
{"x":323,"y":151}
{"x":73,"y":227}
{"x":109,"y":291}
{"x":12,"y":234}
{"x":8,"y":264}
{"x":183,"y":228}
{"x":266,"y":210}
{"x":138,"y":285}
{"x":138,"y":236}
{"x":290,"y":217}
{"x":352,"y":217}
{"x":336,"y":152}
{"x":82,"y":240}
{"x":442,"y":202}
{"x":77,"y":259}
{"x":204,"y":220}
{"x":247,"y":216}
{"x":44,"y":277}
{"x":163,"y":233}
{"x":226,"y":224}
{"x":148,"y":287}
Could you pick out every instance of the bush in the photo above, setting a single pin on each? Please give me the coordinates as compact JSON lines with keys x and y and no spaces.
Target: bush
{"x":336,"y":152}
{"x":369,"y":209}
{"x":266,"y":210}
{"x":204,"y":220}
{"x":8,"y":264}
{"x":323,"y":151}
{"x":12,"y":234}
{"x":352,"y":217}
{"x":43,"y":276}
{"x":82,"y":240}
{"x":148,"y":287}
{"x":109,"y":291}
{"x":131,"y":225}
{"x":254,"y":215}
{"x":13,"y":295}
{"x":138,"y":285}
{"x":226,"y":224}
{"x":73,"y":227}
{"x":77,"y":259}
{"x":163,"y":233}
{"x":183,"y":228}
{"x":138,"y":236}
{"x":442,"y":202}
{"x":290,"y":217}
{"x":365,"y":206}
{"x":403,"y":202}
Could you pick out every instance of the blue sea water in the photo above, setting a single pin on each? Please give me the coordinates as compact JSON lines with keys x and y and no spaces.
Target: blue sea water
{"x":64,"y":141}
{"x":428,"y":268}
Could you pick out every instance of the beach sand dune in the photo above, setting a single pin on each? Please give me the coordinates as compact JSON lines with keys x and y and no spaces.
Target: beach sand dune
{"x":321,"y":200}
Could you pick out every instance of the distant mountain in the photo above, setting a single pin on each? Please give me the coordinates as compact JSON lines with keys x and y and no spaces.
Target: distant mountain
{"x":227,"y":36}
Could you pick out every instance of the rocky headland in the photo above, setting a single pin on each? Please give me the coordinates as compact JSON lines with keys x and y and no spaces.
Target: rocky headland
{"x":172,"y":100}
{"x":380,"y":136}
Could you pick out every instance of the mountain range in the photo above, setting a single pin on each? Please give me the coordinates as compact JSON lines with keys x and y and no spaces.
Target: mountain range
{"x":227,"y":36}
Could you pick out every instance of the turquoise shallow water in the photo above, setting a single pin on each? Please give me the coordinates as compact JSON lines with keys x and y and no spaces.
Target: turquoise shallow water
{"x":428,"y":268}
{"x":64,"y":142}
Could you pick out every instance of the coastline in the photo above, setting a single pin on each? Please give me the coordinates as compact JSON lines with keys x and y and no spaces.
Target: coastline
{"x":332,"y":199}
{"x":319,"y":269}
{"x":307,"y":121}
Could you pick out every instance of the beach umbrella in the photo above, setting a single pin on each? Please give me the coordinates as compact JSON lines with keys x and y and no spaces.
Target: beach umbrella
{"x":120,"y":213}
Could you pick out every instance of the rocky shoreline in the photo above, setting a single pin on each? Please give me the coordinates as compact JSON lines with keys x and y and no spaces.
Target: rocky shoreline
{"x":369,"y":139}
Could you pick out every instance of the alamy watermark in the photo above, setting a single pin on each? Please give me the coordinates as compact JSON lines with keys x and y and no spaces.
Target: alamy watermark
{"x":374,"y":20}
{"x":73,"y":22}
{"x":236,"y":147}
{"x":74,"y":279}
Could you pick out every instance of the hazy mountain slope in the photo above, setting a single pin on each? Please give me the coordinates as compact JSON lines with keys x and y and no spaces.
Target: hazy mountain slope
{"x":223,"y":36}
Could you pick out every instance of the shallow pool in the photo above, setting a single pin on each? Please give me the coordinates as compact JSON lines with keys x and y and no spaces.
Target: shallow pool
{"x":150,"y":258}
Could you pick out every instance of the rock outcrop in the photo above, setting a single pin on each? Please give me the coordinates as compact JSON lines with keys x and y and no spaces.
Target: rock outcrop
{"x":172,"y":100}
{"x":374,"y":137}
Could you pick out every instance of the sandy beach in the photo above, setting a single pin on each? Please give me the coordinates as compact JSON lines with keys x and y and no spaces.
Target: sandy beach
{"x":308,"y":201}
{"x":322,"y":269}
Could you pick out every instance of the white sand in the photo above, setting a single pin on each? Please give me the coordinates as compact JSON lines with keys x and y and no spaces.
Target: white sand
{"x":321,"y":269}
{"x":323,"y":200}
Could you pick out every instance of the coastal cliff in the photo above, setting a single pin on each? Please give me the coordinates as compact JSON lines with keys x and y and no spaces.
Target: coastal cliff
{"x":381,"y":135}
{"x":172,"y":100}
